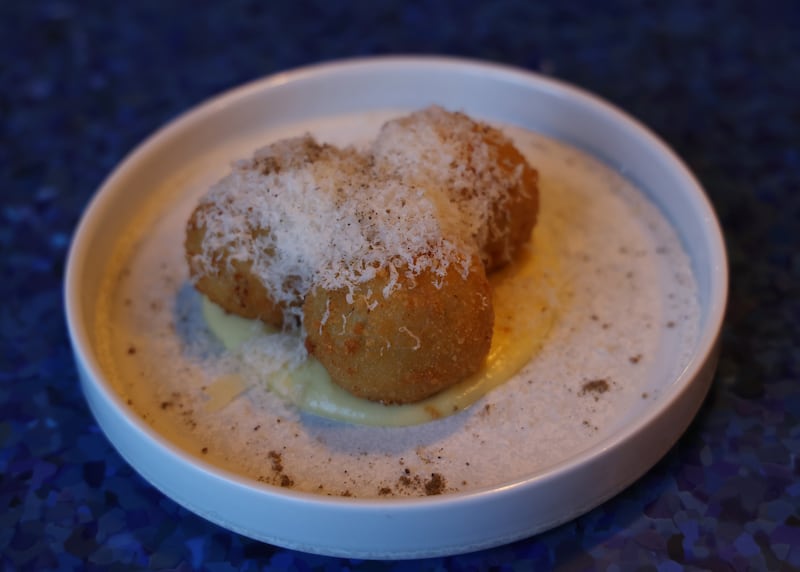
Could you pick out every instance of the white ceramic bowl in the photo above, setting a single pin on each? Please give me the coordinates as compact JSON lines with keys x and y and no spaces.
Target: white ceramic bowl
{"x":439,"y":525}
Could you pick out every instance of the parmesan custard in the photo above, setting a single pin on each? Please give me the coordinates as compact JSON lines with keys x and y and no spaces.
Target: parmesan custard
{"x":526,"y":297}
{"x":602,"y":330}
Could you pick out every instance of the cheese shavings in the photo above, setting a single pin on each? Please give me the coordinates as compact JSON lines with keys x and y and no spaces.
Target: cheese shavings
{"x":306,"y":215}
{"x":462,"y":156}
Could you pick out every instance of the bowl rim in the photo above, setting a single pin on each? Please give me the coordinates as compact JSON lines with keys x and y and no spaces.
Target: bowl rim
{"x":709,"y":331}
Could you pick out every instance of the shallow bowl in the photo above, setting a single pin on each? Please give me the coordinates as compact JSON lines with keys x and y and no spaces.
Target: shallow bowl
{"x":429,"y":526}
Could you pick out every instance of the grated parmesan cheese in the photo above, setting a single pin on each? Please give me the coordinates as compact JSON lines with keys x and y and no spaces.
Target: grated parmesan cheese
{"x":310,"y":215}
{"x":450,"y":150}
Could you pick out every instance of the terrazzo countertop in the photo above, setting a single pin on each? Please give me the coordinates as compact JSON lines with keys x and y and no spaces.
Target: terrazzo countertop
{"x":81,"y":83}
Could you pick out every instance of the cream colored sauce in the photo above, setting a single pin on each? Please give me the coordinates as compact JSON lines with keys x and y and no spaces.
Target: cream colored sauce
{"x":526,"y":301}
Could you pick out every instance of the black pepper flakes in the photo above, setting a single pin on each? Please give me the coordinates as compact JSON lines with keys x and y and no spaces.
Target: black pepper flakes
{"x":596,"y":387}
{"x":435,"y":485}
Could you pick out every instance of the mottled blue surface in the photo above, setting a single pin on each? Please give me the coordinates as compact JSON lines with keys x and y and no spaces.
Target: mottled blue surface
{"x":81,"y":83}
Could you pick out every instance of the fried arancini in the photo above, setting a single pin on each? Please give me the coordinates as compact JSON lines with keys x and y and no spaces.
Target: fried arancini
{"x":232,"y":250}
{"x":487,"y":178}
{"x":513,"y":219}
{"x":380,"y":254}
{"x":430,"y":333}
{"x":229,"y":283}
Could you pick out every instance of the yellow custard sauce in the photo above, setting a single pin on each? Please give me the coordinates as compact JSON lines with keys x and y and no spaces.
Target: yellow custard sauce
{"x":526,"y":298}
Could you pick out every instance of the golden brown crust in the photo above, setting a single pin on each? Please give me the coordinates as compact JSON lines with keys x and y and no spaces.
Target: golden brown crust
{"x":419,"y":341}
{"x":229,"y":283}
{"x":485,"y":175}
{"x":517,"y":216}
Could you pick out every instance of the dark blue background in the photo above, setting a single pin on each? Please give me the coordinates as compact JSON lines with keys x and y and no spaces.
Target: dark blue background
{"x":81,"y":83}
